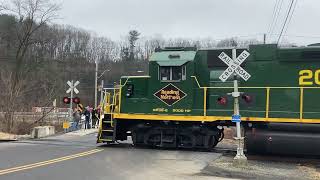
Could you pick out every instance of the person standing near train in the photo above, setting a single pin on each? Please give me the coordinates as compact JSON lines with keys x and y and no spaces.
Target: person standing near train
{"x":96,"y":116}
{"x":76,"y":118}
{"x":87,"y":114}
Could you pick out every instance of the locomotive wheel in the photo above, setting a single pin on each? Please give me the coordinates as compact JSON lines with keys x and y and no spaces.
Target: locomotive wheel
{"x":170,"y":136}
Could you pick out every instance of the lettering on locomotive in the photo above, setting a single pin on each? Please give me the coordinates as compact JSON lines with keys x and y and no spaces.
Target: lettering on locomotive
{"x":181,"y":110}
{"x":160,"y":110}
{"x":306,"y":77}
{"x":170,"y":94}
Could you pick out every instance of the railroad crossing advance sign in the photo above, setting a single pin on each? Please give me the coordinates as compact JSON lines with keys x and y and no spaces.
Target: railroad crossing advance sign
{"x":73,"y":87}
{"x":234,"y":66}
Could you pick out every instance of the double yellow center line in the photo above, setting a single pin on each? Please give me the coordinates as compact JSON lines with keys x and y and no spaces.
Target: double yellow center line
{"x":52,"y":161}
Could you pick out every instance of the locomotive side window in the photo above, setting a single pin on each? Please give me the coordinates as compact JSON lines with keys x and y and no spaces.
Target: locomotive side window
{"x":172,"y":73}
{"x":165,"y":73}
{"x":184,"y":72}
{"x":176,"y":73}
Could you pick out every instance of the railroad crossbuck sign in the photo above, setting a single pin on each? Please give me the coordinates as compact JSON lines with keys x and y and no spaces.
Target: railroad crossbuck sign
{"x":234,"y":66}
{"x":73,"y":87}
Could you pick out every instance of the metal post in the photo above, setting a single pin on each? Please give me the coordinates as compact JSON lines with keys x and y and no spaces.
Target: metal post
{"x":240,"y":159}
{"x":101,"y":93}
{"x":96,"y":85}
{"x":71,"y":96}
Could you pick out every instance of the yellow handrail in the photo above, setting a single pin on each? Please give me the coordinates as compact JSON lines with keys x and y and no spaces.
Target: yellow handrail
{"x":267,"y":94}
{"x":267,"y":97}
{"x":301,"y":102}
{"x":205,"y":102}
{"x":116,"y":98}
{"x":267,"y":102}
{"x":254,"y":87}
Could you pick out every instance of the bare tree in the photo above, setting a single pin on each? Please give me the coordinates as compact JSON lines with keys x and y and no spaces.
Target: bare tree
{"x":31,"y":16}
{"x":230,"y":42}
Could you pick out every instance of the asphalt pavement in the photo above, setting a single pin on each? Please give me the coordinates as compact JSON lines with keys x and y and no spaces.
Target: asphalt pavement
{"x":76,"y":156}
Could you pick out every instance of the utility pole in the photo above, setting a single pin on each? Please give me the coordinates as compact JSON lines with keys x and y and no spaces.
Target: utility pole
{"x":96,"y":85}
{"x":101,"y":93}
{"x":240,"y":159}
{"x":72,"y":88}
{"x":264,"y":38}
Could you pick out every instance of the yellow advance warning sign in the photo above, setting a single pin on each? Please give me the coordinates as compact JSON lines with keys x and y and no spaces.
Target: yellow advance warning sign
{"x":66,"y":125}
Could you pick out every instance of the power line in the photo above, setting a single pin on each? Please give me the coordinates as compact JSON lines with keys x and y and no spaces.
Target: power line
{"x":275,"y":7}
{"x":285,"y":22}
{"x":294,"y":7}
{"x":277,"y":16}
{"x":298,"y":36}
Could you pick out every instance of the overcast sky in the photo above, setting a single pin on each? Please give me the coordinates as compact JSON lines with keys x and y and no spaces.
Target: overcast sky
{"x":192,"y":18}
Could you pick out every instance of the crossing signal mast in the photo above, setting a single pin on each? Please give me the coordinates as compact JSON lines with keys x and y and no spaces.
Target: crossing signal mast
{"x":234,"y":69}
{"x":76,"y":100}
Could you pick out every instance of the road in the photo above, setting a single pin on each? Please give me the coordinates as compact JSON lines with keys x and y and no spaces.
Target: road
{"x":76,"y":156}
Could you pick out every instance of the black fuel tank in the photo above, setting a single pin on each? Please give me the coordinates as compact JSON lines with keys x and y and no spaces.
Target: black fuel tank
{"x":284,"y":138}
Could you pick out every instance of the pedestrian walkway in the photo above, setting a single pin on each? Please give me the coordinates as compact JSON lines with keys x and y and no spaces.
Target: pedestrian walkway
{"x":82,"y":132}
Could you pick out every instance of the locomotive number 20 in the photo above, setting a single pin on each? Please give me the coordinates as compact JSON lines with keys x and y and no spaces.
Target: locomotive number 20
{"x":306,"y":77}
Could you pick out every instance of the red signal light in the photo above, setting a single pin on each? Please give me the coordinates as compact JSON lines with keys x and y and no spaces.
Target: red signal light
{"x":246,"y":98}
{"x":76,"y":100}
{"x":222,"y":100}
{"x":66,"y":100}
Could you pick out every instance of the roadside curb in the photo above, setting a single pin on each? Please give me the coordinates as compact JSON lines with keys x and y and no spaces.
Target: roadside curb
{"x":8,"y":140}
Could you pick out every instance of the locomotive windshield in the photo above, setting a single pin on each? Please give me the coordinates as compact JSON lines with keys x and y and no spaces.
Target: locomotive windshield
{"x":172,"y":73}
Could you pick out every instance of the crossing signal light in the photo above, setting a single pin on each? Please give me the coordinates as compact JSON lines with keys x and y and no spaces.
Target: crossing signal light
{"x":66,"y":100}
{"x":76,"y":100}
{"x":222,"y":100}
{"x":246,"y":98}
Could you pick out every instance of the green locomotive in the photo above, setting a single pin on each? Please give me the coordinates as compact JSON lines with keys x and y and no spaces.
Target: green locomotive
{"x":183,"y":103}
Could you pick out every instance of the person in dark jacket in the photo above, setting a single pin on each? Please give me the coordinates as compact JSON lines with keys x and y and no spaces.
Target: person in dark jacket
{"x":76,"y":118}
{"x":87,"y":114}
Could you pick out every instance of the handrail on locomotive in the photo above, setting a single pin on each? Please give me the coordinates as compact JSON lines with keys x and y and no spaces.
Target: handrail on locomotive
{"x":116,"y":100}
